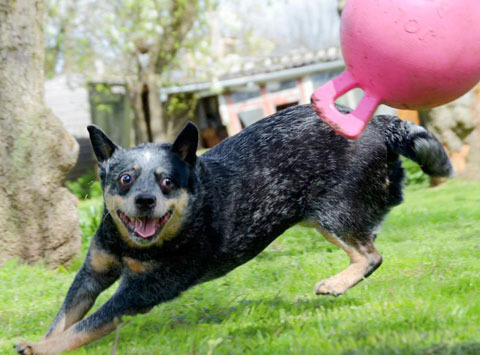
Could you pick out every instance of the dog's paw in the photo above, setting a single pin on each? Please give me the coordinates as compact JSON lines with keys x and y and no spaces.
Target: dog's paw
{"x":327,"y":287}
{"x":23,"y":347}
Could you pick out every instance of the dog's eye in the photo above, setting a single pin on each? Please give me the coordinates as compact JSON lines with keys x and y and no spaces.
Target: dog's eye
{"x":126,"y":179}
{"x":167,"y":183}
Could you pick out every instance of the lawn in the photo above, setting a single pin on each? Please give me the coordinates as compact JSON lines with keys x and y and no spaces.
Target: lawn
{"x":424,"y":299}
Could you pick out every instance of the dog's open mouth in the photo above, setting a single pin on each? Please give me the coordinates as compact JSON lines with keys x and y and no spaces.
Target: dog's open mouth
{"x":145,"y":227}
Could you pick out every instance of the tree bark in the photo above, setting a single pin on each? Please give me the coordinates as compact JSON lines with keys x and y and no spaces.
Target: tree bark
{"x":151,"y":122}
{"x":157,"y":121}
{"x":135,"y":94}
{"x":341,"y":5}
{"x":457,"y":126}
{"x":38,"y":217}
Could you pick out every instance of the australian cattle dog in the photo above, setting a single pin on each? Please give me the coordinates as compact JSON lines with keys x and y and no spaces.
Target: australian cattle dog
{"x":173,"y":219}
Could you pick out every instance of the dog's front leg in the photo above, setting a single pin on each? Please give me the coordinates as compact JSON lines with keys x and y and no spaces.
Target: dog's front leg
{"x":135,"y":295}
{"x":99,"y":271}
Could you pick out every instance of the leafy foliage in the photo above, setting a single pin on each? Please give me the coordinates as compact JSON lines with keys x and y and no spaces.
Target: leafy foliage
{"x":119,"y":37}
{"x":85,"y":187}
{"x":181,"y":107}
{"x":90,"y":215}
{"x":67,"y":48}
{"x":414,"y":175}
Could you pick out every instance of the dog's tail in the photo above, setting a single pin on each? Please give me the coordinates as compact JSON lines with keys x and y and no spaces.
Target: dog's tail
{"x":415,"y":143}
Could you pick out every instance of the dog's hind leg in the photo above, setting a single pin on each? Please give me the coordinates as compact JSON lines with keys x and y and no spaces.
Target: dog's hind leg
{"x":364,"y":259}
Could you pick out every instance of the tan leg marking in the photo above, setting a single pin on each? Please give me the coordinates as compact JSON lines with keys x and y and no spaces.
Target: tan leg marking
{"x":101,"y":261}
{"x":71,"y":317}
{"x":64,"y":341}
{"x":364,"y":259}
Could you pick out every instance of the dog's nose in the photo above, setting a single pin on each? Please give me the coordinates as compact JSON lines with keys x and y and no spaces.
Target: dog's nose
{"x":145,"y":201}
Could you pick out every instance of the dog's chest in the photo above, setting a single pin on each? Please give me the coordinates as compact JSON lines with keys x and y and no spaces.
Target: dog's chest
{"x":136,"y":266}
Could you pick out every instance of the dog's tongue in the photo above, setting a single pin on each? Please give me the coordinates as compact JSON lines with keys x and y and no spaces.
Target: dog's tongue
{"x":145,"y":227}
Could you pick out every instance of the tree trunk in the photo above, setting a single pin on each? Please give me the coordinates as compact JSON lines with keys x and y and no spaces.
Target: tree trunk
{"x":341,"y":5}
{"x":136,"y":94}
{"x":38,"y":217}
{"x":457,"y":126}
{"x":154,"y":120}
{"x":161,"y":127}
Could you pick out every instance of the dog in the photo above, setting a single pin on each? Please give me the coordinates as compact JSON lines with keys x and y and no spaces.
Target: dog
{"x":173,"y":220}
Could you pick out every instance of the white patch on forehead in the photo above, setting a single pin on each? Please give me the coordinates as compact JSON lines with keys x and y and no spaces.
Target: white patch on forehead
{"x":147,"y":155}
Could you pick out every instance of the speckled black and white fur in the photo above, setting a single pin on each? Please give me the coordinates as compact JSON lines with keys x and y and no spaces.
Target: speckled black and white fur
{"x":227,"y":205}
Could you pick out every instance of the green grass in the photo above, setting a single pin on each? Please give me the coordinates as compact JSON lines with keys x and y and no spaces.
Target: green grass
{"x":424,"y":299}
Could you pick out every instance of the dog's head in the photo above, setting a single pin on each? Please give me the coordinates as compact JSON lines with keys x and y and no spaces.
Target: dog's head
{"x":148,"y":188}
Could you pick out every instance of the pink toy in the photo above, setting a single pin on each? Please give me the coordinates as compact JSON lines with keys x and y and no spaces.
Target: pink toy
{"x":409,"y":54}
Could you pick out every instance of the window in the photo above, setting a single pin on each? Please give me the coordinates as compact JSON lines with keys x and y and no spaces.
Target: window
{"x":274,"y":86}
{"x":318,"y":79}
{"x":244,"y":94}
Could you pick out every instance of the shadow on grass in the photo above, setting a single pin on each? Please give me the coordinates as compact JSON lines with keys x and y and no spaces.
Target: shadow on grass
{"x":270,"y":308}
{"x":269,"y":255}
{"x":265,"y":316}
{"x":220,"y":314}
{"x":441,"y":348}
{"x":462,"y":348}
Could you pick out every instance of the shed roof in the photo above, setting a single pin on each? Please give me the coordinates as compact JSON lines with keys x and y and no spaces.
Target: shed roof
{"x":258,"y":70}
{"x":267,"y":69}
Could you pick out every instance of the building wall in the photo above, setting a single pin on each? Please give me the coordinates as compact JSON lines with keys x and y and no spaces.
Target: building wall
{"x":242,"y":106}
{"x":67,"y":97}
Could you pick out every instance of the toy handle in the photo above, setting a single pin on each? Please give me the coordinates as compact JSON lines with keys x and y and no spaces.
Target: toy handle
{"x":347,"y":125}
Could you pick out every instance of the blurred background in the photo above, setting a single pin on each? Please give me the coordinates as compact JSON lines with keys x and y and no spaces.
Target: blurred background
{"x":140,"y":69}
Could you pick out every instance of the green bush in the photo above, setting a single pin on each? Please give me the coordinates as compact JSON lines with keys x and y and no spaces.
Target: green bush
{"x":88,"y":190}
{"x":414,"y":175}
{"x":85,"y":187}
{"x":90,"y":216}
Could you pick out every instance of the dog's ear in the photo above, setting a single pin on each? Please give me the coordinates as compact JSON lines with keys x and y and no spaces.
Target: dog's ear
{"x":101,"y":144}
{"x":186,"y":143}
